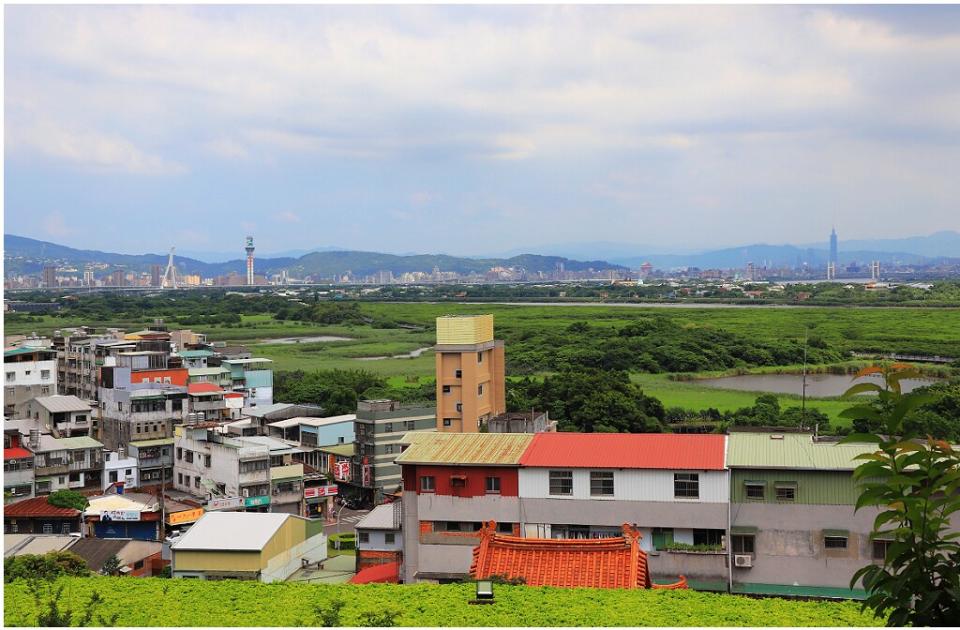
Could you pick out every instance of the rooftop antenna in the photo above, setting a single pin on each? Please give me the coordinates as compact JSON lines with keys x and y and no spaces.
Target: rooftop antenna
{"x":170,"y":280}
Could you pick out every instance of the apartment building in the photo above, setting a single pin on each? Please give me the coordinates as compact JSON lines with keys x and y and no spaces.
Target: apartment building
{"x":62,"y":415}
{"x":286,"y":489}
{"x":119,"y":468}
{"x":228,"y":472}
{"x":380,"y":536}
{"x":74,"y":463}
{"x":792,"y":510}
{"x":154,"y":460}
{"x":451,"y":484}
{"x":674,"y":488}
{"x":470,"y":373}
{"x":131,"y":412}
{"x":18,"y":474}
{"x":253,"y":377}
{"x":379,"y":429}
{"x":29,"y":372}
{"x":79,"y":357}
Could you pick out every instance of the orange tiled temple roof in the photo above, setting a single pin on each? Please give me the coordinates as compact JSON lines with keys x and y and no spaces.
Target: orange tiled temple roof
{"x":597,"y":563}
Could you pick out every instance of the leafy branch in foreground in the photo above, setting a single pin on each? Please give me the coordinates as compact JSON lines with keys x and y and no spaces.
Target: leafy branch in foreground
{"x":915,"y":483}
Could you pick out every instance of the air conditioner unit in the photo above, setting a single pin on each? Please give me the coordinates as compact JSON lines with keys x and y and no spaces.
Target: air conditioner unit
{"x":245,"y":492}
{"x":743,"y":561}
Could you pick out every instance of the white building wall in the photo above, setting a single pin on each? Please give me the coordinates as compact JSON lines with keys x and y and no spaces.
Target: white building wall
{"x":377,"y":541}
{"x":112,"y":462}
{"x":628,"y":485}
{"x":31,"y":373}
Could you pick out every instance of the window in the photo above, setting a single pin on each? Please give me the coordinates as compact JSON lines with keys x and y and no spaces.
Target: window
{"x":129,"y":471}
{"x":138,"y":564}
{"x":196,"y":482}
{"x":180,"y":478}
{"x":388,"y":427}
{"x":44,"y":374}
{"x":708,"y":536}
{"x":206,"y":461}
{"x":834,"y":542}
{"x":493,"y":485}
{"x":446,"y":389}
{"x":686,"y":485}
{"x":561,"y":482}
{"x":11,"y":376}
{"x":409,"y":425}
{"x":458,"y":481}
{"x":65,"y":528}
{"x":786,"y":492}
{"x":480,"y":390}
{"x":479,"y":357}
{"x":388,"y":449}
{"x":113,"y":476}
{"x":179,"y":453}
{"x":188,"y":456}
{"x":48,"y":528}
{"x":428,"y":484}
{"x":364,"y":537}
{"x":45,"y":389}
{"x":390,"y":538}
{"x":459,"y":406}
{"x":458,"y":374}
{"x":743,"y":543}
{"x":504,"y":528}
{"x":447,"y":422}
{"x":756,"y":491}
{"x":601,"y":483}
{"x":880,"y":548}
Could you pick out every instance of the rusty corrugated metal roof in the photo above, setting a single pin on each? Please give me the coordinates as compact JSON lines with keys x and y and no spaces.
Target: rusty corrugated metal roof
{"x":477,"y":449}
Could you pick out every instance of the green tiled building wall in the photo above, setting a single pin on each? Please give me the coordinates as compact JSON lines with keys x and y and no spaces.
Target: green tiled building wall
{"x":813,"y":487}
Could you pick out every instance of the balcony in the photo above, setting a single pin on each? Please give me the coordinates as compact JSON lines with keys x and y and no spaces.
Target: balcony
{"x":255,"y":477}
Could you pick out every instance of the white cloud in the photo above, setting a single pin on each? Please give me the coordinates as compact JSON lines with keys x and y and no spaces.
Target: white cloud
{"x":91,"y":150}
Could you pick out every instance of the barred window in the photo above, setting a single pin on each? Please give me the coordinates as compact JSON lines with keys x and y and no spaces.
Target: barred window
{"x":561,"y":482}
{"x":601,"y":483}
{"x":686,"y":485}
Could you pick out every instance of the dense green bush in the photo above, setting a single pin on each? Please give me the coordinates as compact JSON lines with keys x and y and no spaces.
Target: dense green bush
{"x":68,"y":499}
{"x":48,"y":566}
{"x":153,"y":601}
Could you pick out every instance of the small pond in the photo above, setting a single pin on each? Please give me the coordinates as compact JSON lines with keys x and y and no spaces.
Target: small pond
{"x":818,"y":385}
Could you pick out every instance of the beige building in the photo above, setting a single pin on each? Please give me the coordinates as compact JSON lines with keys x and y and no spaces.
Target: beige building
{"x":470,"y":373}
{"x":266,"y":547}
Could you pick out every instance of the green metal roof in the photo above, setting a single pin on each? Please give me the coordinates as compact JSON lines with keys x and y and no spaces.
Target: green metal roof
{"x":79,"y":442}
{"x":157,"y":442}
{"x":27,"y":350}
{"x":795,"y":451}
{"x":195,"y":354}
{"x":344,"y":450}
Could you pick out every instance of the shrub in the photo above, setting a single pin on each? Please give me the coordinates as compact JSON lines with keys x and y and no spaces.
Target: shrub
{"x":48,"y":566}
{"x":68,"y":499}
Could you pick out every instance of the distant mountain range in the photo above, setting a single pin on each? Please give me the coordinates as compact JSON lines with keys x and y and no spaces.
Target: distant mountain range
{"x":26,"y":255}
{"x":912,"y":250}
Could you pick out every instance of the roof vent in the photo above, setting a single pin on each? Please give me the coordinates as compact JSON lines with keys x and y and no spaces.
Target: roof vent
{"x":776,"y":436}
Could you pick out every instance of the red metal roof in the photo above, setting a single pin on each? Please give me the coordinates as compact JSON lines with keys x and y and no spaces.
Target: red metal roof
{"x":388,"y":573}
{"x":203,"y":388}
{"x":37,"y":507}
{"x":594,"y":563}
{"x":16,"y":453}
{"x":670,"y":451}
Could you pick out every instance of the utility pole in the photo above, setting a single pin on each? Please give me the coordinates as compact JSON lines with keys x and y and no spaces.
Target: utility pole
{"x":803,"y":398}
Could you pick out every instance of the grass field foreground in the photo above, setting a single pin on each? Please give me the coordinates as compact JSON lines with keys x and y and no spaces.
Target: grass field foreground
{"x":165,"y":602}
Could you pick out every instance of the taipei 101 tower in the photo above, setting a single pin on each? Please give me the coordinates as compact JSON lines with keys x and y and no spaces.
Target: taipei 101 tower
{"x":249,"y":249}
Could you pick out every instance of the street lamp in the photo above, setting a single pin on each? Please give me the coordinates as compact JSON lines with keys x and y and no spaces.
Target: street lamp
{"x":484,"y":592}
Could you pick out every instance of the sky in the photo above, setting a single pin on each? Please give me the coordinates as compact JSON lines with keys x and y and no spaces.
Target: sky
{"x":478,"y":130}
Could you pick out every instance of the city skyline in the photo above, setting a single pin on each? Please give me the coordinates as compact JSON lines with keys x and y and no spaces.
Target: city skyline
{"x":396,"y":130}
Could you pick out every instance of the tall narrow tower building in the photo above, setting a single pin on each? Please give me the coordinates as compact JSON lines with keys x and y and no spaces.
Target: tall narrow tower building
{"x":249,"y":249}
{"x":470,"y":373}
{"x":833,"y":248}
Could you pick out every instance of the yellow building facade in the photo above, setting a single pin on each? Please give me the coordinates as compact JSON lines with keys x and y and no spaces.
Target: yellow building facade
{"x":470,"y":373}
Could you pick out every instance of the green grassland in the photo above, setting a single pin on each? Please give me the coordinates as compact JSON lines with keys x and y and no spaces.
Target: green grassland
{"x":690,"y":395}
{"x":165,"y":602}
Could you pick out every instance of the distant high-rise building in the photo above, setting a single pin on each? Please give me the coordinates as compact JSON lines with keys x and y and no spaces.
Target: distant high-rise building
{"x":119,"y":278}
{"x":88,"y":278}
{"x":50,"y":277}
{"x":875,"y":270}
{"x":751,"y":271}
{"x":154,"y":275}
{"x":831,"y":271}
{"x":470,"y":373}
{"x":249,"y":249}
{"x":833,"y":248}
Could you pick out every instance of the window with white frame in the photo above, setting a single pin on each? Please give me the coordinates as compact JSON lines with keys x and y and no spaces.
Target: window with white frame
{"x":561,"y":482}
